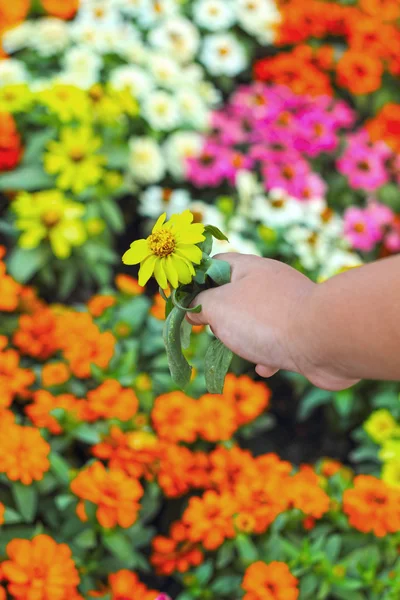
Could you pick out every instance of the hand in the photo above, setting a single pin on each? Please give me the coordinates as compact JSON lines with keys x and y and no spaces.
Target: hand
{"x":263,"y":316}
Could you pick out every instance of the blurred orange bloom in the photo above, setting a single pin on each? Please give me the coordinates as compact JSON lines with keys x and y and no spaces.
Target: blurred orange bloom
{"x":175,"y":417}
{"x":2,"y":511}
{"x":127,"y":586}
{"x":218,"y":418}
{"x":10,"y":291}
{"x":23,"y":453}
{"x":14,"y":381}
{"x":43,"y":403}
{"x":63,"y":10}
{"x":383,"y":10}
{"x":158,"y":308}
{"x":10,"y":141}
{"x":372,"y":506}
{"x":128,"y":285}
{"x":115,"y":494}
{"x":209,"y":519}
{"x":40,"y":569}
{"x":229,"y":465}
{"x":55,"y":373}
{"x":359,"y":72}
{"x":386,"y":126}
{"x":35,"y":335}
{"x":176,"y":552}
{"x":271,"y":581}
{"x":307,"y":495}
{"x":180,"y":470}
{"x":97,"y":305}
{"x":249,"y":397}
{"x":111,"y":401}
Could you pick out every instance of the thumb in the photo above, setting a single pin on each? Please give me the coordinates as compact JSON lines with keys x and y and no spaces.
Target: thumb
{"x":209,"y":301}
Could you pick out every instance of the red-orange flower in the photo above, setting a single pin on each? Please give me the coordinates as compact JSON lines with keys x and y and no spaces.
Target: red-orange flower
{"x":272,"y":581}
{"x":372,"y":506}
{"x":126,"y":585}
{"x":10,"y":142}
{"x":97,"y":305}
{"x":23,"y":453}
{"x":249,"y":397}
{"x":175,"y":417}
{"x":14,"y":381}
{"x":359,"y":72}
{"x":218,"y":418}
{"x":115,"y":494}
{"x":158,"y":308}
{"x":383,"y":10}
{"x":386,"y":126}
{"x":111,"y":401}
{"x":176,"y":552}
{"x":2,"y":511}
{"x":40,"y":569}
{"x":43,"y":403}
{"x":35,"y":335}
{"x":307,"y":495}
{"x":128,"y":285}
{"x":62,"y":10}
{"x":180,"y":470}
{"x":209,"y":519}
{"x":10,"y":291}
{"x":55,"y":373}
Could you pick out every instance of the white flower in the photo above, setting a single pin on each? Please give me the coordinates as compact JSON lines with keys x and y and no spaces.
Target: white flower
{"x":132,"y":78}
{"x":192,"y":108}
{"x":207,"y":214}
{"x":153,"y":12}
{"x":237,"y":243}
{"x":165,"y":70}
{"x":18,"y":37}
{"x":99,"y":13}
{"x":82,"y":67}
{"x":214,"y":14}
{"x":157,"y":200}
{"x":179,"y":147}
{"x":222,"y":54}
{"x":312,"y":248}
{"x":259,"y":18}
{"x":318,"y":215}
{"x":177,"y":37}
{"x":337,"y":261}
{"x":277,"y":210}
{"x":161,"y":110}
{"x":210,"y":94}
{"x":12,"y":71}
{"x":248,"y":189}
{"x":146,"y":163}
{"x":131,"y":7}
{"x":133,"y":51}
{"x":50,"y":36}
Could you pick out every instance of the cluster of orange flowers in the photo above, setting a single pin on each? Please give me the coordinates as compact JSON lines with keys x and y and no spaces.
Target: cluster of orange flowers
{"x":369,"y":29}
{"x":14,"y":381}
{"x":271,"y":581}
{"x":386,"y":126}
{"x":10,"y":289}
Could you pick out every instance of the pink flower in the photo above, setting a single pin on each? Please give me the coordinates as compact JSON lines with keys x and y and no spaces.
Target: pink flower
{"x":380,"y":213}
{"x":318,"y":134}
{"x":289,"y":175}
{"x":360,"y":229}
{"x":163,"y":597}
{"x":364,"y":168}
{"x":207,"y":169}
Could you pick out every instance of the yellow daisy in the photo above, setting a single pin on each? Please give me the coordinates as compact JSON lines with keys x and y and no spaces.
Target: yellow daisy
{"x":169,"y":252}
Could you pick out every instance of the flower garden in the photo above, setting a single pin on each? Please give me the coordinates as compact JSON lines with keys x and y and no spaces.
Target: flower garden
{"x":277,"y":121}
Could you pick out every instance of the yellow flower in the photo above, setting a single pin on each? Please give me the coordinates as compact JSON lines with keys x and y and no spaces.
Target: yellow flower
{"x":66,"y":101}
{"x":391,"y":473}
{"x":74,"y":158}
{"x":109,"y":104}
{"x":169,"y":252}
{"x":15,"y":97}
{"x":49,"y":216}
{"x":380,"y":426}
{"x":390,"y":450}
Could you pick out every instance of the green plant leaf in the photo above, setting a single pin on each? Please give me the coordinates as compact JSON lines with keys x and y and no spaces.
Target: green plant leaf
{"x":226,"y":585}
{"x":59,"y":467}
{"x":112,"y":214}
{"x":176,"y":302}
{"x":26,"y":500}
{"x":246,"y":548}
{"x":120,"y":546}
{"x":11,"y":517}
{"x":179,"y":367}
{"x":86,"y":433}
{"x":204,"y":572}
{"x":215,"y":232}
{"x":311,"y":401}
{"x":186,"y":330}
{"x":219,"y":271}
{"x":308,"y":586}
{"x":332,"y":548}
{"x":217,"y":361}
{"x":28,"y":178}
{"x":23,"y":264}
{"x":206,"y":246}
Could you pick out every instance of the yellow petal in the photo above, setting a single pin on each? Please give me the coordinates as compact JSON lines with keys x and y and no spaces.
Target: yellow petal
{"x":189,"y":251}
{"x":159,"y":274}
{"x":146,"y":269}
{"x":192,"y":235}
{"x":160,"y":222}
{"x":138,"y":251}
{"x":171,"y":271}
{"x":183,"y":270}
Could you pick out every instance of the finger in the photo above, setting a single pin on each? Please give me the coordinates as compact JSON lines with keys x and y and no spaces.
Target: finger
{"x":239,"y":263}
{"x":209,"y":301}
{"x":264,"y":371}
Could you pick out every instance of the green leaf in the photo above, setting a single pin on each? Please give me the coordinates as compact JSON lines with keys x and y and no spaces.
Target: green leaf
{"x":186,"y":330}
{"x":344,"y":402}
{"x":226,"y":585}
{"x":117,"y":156}
{"x":28,"y":178}
{"x":179,"y":367}
{"x":36,"y":145}
{"x":247,"y":549}
{"x":219,"y":271}
{"x":26,"y":500}
{"x":225,"y":555}
{"x":120,"y":546}
{"x":308,"y":586}
{"x":332,"y":548}
{"x":12,"y":516}
{"x":206,"y":246}
{"x":23,"y":264}
{"x":204,"y":573}
{"x":311,"y":401}
{"x":217,"y":361}
{"x":68,"y":280}
{"x":178,"y":303}
{"x":215,"y":232}
{"x":85,"y":539}
{"x":112,"y":214}
{"x":59,"y":467}
{"x":86,"y":433}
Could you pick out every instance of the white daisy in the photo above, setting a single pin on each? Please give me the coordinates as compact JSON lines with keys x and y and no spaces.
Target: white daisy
{"x":207,"y":214}
{"x":165,"y":70}
{"x":177,"y":37}
{"x":277,"y":210}
{"x":312,"y":248}
{"x":82,"y":67}
{"x":337,"y":261}
{"x":131,"y":7}
{"x":12,"y":71}
{"x":153,"y":12}
{"x":50,"y":36}
{"x":160,"y":109}
{"x":146,"y":163}
{"x":222,"y":54}
{"x":18,"y":37}
{"x":214,"y":15}
{"x":318,"y":215}
{"x":192,"y":108}
{"x":132,"y":78}
{"x":259,"y":18}
{"x":178,"y":148}
{"x":99,"y":13}
{"x":157,"y":200}
{"x":133,"y":51}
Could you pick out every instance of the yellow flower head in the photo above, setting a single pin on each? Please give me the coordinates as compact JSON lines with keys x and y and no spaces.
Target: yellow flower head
{"x":391,"y":473}
{"x":73,"y":158}
{"x":15,"y":98}
{"x":380,"y":426}
{"x":108,"y":105}
{"x":49,"y":216}
{"x":390,"y":450}
{"x":169,"y":252}
{"x":66,"y":101}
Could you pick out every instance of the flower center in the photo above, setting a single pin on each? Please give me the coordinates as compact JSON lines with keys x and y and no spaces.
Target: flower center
{"x":363,"y":165}
{"x":50,"y":218}
{"x":162,"y":243}
{"x":77,"y":155}
{"x":359,"y":227}
{"x":166,"y":195}
{"x":278,"y":203}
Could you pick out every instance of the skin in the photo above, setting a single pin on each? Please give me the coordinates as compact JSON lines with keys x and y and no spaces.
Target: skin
{"x":335,"y":333}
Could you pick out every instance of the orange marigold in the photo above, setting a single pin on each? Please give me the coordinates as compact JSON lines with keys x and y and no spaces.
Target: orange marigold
{"x":229,"y":465}
{"x":176,"y":552}
{"x":272,"y":581}
{"x":359,"y":72}
{"x":307,"y":495}
{"x":372,"y":506}
{"x":175,"y":417}
{"x":115,"y":494}
{"x":111,"y":401}
{"x":40,"y":569}
{"x":209,"y":519}
{"x":386,"y":126}
{"x":35,"y":335}
{"x":62,"y":10}
{"x":126,"y":585}
{"x":10,"y":291}
{"x":14,"y":381}
{"x":383,"y":10}
{"x":2,"y":511}
{"x":249,"y":397}
{"x":55,"y":373}
{"x":97,"y":305}
{"x":43,"y":403}
{"x":180,"y":470}
{"x":218,"y":418}
{"x":128,"y":285}
{"x":158,"y":308}
{"x":23,"y":454}
{"x":10,"y":142}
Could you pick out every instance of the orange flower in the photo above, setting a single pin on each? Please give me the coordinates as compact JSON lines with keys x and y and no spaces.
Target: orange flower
{"x":359,"y":72}
{"x":180,"y":470}
{"x":175,"y":417}
{"x":35,"y":335}
{"x":372,"y":506}
{"x":39,"y":411}
{"x":14,"y":381}
{"x":383,"y":10}
{"x":126,"y":585}
{"x":386,"y":126}
{"x":10,"y":142}
{"x":55,"y":373}
{"x":175,"y":553}
{"x":271,"y":581}
{"x":158,"y":308}
{"x":229,"y":465}
{"x":10,"y":291}
{"x":307,"y":496}
{"x":249,"y":397}
{"x":40,"y":569}
{"x":111,"y":401}
{"x":115,"y":494}
{"x":330,"y":467}
{"x":209,"y":519}
{"x":23,"y":454}
{"x":128,"y":285}
{"x":367,"y":36}
{"x":97,"y":305}
{"x":3,"y":342}
{"x":63,"y":10}
{"x":218,"y":418}
{"x":2,"y":511}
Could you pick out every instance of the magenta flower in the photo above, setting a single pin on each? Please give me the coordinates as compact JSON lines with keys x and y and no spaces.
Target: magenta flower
{"x":163,"y":597}
{"x":207,"y":169}
{"x":317,"y":134}
{"x":364,"y":168}
{"x":288,"y":175}
{"x":360,"y":229}
{"x":380,"y":213}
